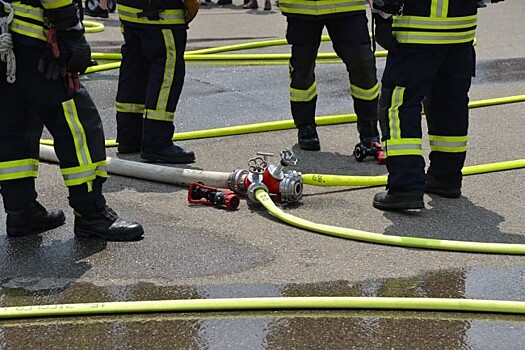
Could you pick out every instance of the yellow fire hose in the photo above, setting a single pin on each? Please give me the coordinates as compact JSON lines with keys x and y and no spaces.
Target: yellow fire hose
{"x":259,"y":304}
{"x":342,"y":180}
{"x":403,"y":241}
{"x":93,"y":27}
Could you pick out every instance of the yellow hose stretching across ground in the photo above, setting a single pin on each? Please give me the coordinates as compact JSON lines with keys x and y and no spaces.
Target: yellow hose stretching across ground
{"x":259,"y":304}
{"x":403,"y":241}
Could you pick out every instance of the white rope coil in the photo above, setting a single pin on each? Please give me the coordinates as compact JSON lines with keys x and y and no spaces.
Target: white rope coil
{"x":6,"y":43}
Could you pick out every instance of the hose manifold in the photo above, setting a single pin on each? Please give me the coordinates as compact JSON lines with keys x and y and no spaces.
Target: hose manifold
{"x":287,"y":186}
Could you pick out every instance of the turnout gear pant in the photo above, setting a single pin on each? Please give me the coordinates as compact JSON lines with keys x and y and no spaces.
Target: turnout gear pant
{"x":32,"y":102}
{"x":150,"y":83}
{"x":351,"y":42}
{"x":438,"y":76}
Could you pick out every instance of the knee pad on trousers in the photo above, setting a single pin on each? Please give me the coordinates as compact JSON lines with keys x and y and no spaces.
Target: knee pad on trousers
{"x":302,"y":66}
{"x":361,"y":64}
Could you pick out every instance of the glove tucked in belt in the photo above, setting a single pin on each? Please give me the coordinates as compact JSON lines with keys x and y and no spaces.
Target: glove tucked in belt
{"x":67,"y":52}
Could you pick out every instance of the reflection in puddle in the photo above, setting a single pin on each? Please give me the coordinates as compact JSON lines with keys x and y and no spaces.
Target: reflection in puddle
{"x":312,"y":329}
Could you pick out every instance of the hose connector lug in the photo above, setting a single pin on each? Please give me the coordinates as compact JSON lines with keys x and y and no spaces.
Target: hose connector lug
{"x":236,"y":181}
{"x":254,"y":186}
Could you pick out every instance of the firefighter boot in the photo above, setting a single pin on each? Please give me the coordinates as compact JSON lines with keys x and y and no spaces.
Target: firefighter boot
{"x":34,"y":219}
{"x":105,"y":224}
{"x":172,"y":154}
{"x":389,"y":201}
{"x":308,"y":139}
{"x":435,"y":186}
{"x":251,"y":5}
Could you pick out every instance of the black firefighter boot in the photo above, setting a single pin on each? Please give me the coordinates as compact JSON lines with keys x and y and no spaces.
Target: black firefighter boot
{"x":308,"y":138}
{"x":390,"y":201}
{"x":157,"y":146}
{"x":441,"y":188}
{"x":34,"y":219}
{"x":94,"y":219}
{"x":105,"y":224}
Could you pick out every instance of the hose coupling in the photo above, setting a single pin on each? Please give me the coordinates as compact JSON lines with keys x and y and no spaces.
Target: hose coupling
{"x":236,"y":181}
{"x":254,"y":186}
{"x":291,"y":187}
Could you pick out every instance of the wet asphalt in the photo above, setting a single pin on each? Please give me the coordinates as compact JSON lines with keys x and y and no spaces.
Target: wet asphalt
{"x":197,"y":251}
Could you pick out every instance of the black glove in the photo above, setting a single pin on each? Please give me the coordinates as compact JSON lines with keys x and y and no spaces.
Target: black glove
{"x":52,"y":63}
{"x":67,"y":52}
{"x":391,"y":7}
{"x":65,"y":59}
{"x":79,"y":54}
{"x":383,"y":33}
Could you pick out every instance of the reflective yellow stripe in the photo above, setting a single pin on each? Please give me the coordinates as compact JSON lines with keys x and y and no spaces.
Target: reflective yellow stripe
{"x":20,"y":26}
{"x":169,"y":71}
{"x":403,"y":147}
{"x":77,"y":131}
{"x":365,"y":94}
{"x":130,"y":107}
{"x":79,"y":138}
{"x":418,"y":29}
{"x":27,"y":11}
{"x":298,"y":95}
{"x":393,"y":112}
{"x":449,"y":144}
{"x":159,"y":115}
{"x":84,"y":173}
{"x":18,"y":169}
{"x":101,"y":169}
{"x":418,"y":22}
{"x":439,"y":8}
{"x":169,"y":16}
{"x":27,"y":29}
{"x":54,"y":4}
{"x":321,"y":7}
{"x":434,"y":37}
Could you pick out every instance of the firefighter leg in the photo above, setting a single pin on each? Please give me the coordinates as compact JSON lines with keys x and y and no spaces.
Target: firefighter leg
{"x":131,"y":93}
{"x":352,"y":44}
{"x":405,"y":83}
{"x":19,"y":138}
{"x":304,"y":36}
{"x":165,"y":50}
{"x":79,"y":144}
{"x":446,"y":109}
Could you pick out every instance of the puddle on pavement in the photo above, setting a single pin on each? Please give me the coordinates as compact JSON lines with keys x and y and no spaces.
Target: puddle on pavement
{"x":310,"y":329}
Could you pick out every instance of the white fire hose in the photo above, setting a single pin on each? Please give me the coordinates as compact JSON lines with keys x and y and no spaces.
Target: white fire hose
{"x":152,"y":172}
{"x":6,"y":42}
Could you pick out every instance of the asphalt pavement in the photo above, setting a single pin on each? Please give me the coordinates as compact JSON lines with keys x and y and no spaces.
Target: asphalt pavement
{"x":199,"y":251}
